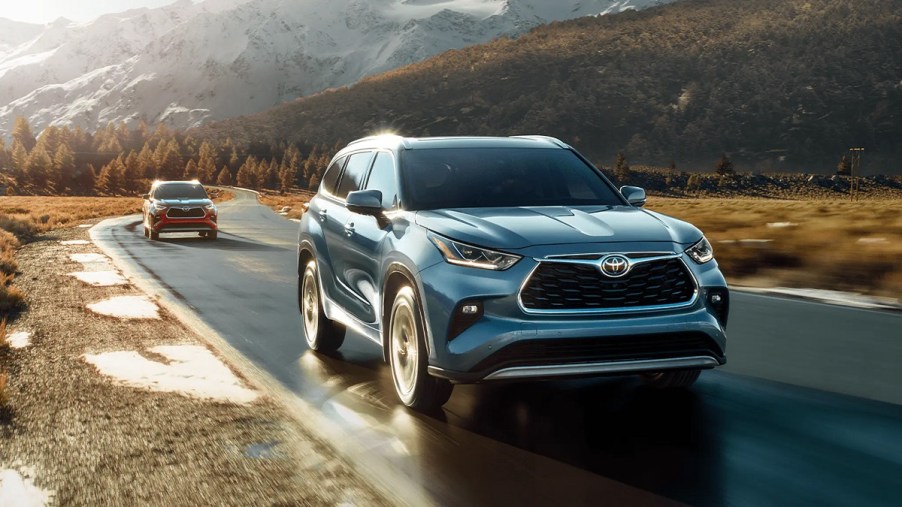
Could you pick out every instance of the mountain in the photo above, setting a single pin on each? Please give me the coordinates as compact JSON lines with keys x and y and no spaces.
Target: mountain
{"x":188,"y":63}
{"x":779,"y":85}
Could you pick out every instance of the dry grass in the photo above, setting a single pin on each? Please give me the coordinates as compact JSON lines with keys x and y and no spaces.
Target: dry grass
{"x":293,"y":200}
{"x":51,"y":212}
{"x":218,"y":194}
{"x":838,"y":245}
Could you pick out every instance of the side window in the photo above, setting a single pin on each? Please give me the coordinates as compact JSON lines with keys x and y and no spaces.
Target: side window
{"x":382,"y":178}
{"x":330,"y":179}
{"x":352,"y":178}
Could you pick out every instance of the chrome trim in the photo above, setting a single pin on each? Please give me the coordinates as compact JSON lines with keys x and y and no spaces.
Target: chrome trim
{"x":608,"y":311}
{"x":353,"y":293}
{"x":557,"y":370}
{"x":335,"y":312}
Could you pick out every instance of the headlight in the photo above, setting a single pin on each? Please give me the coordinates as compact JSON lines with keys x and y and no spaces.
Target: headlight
{"x":473,"y":256}
{"x":210,"y":207}
{"x":701,"y":252}
{"x":160,"y":206}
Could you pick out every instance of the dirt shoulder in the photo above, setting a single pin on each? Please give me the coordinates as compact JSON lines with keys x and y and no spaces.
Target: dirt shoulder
{"x":85,"y":438}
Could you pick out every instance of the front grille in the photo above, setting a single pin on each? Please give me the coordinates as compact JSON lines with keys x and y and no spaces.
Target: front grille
{"x":589,"y":350}
{"x":182,"y":213}
{"x":562,"y":286}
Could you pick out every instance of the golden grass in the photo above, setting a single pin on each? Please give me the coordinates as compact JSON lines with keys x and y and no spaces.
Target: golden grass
{"x":826,"y":244}
{"x":52,"y":212}
{"x":294,"y":200}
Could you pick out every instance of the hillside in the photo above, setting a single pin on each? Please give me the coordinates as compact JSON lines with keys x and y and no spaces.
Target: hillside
{"x":779,"y":85}
{"x":191,"y":62}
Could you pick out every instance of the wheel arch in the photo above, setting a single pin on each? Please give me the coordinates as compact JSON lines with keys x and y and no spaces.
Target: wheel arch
{"x":396,"y":276}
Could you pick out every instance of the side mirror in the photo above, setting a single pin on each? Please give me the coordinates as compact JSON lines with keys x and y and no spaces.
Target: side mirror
{"x":365,"y":202}
{"x":635,"y":195}
{"x":145,"y":196}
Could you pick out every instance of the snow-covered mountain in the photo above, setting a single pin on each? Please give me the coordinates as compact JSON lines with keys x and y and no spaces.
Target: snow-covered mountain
{"x":188,"y":63}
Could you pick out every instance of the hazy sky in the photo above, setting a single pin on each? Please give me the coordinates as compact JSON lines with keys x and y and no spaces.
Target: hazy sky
{"x":45,"y":11}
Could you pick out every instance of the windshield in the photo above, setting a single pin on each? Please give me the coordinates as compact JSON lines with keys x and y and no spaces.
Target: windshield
{"x":501,"y":177}
{"x":181,"y":191}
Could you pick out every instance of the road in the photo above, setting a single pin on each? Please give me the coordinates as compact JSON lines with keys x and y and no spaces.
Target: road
{"x":807,"y":411}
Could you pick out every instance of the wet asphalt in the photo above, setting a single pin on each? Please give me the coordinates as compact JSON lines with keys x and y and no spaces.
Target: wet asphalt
{"x":807,"y":411}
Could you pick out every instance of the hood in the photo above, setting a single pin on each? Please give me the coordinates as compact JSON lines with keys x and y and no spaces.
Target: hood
{"x":521,"y":227}
{"x":185,"y":202}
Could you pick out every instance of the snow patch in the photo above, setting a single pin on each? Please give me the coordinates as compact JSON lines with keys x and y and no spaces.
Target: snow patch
{"x":100,"y":278}
{"x":831,"y":296}
{"x":19,"y":340}
{"x":85,"y":226}
{"x":17,"y":490}
{"x":127,"y":307}
{"x":780,"y":225}
{"x":75,"y":242}
{"x":192,"y":370}
{"x":89,"y":258}
{"x":872,"y":241}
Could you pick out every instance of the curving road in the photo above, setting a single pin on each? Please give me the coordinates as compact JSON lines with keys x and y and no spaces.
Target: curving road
{"x":807,"y":411}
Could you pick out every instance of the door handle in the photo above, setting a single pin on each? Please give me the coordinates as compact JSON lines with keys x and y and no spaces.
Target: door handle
{"x":323,"y":213}
{"x":349,"y":229}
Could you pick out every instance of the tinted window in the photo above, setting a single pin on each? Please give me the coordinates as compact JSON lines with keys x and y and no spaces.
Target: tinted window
{"x":330,"y":179}
{"x":355,"y":171}
{"x":500,"y":177}
{"x":180,"y":191}
{"x":382,"y":178}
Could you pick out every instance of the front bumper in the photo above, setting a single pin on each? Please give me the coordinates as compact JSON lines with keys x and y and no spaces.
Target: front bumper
{"x":507,"y":343}
{"x":162,"y":223}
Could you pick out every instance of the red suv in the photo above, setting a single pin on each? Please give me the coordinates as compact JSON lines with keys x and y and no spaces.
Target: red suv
{"x":179,"y":206}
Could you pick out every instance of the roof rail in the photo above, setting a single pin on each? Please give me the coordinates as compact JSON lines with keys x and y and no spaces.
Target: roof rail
{"x":402,"y":140}
{"x":550,"y":139}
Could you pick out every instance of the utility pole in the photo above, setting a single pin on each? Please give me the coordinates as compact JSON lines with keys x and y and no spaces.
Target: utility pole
{"x":855,"y":172}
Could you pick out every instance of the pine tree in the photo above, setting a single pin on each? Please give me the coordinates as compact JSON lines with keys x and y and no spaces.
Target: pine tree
{"x":63,"y":168}
{"x":206,"y":162}
{"x":225,"y":177}
{"x":844,"y":167}
{"x":134,"y":174}
{"x":190,"y":170}
{"x":247,"y":173}
{"x":23,"y":134}
{"x":18,"y":162}
{"x":172,"y":167}
{"x":109,"y":182}
{"x":724,"y":166}
{"x":38,"y":169}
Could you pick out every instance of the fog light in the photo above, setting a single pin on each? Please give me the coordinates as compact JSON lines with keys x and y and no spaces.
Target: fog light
{"x":716,"y":299}
{"x":465,"y":315}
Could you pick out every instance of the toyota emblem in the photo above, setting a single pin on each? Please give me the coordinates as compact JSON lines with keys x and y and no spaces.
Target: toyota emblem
{"x":615,"y":266}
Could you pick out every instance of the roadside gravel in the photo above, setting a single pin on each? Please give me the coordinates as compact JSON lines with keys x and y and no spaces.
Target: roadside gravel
{"x":88,"y":440}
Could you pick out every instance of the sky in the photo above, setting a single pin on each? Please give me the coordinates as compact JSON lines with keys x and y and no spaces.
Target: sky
{"x":45,"y":11}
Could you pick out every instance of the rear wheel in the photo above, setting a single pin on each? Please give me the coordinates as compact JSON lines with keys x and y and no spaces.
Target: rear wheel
{"x":323,"y":335}
{"x":407,"y":355}
{"x":672,"y":379}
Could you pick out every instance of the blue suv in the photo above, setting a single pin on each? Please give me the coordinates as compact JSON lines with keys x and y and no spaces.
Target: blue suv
{"x":475,"y":259}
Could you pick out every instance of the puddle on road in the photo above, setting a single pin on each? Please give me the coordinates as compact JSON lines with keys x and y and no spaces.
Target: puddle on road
{"x":100,"y":278}
{"x":191,"y":370}
{"x":127,"y":307}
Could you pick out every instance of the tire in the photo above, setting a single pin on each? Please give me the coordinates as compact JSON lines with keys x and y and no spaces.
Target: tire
{"x":154,"y":235}
{"x":322,"y":334}
{"x":146,"y":232}
{"x":212,"y":235}
{"x":672,"y":379}
{"x":408,"y":358}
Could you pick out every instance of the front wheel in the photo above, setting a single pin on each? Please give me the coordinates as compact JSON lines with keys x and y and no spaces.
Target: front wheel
{"x":323,"y":335}
{"x":672,"y":379}
{"x":407,"y":355}
{"x":211,"y":235}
